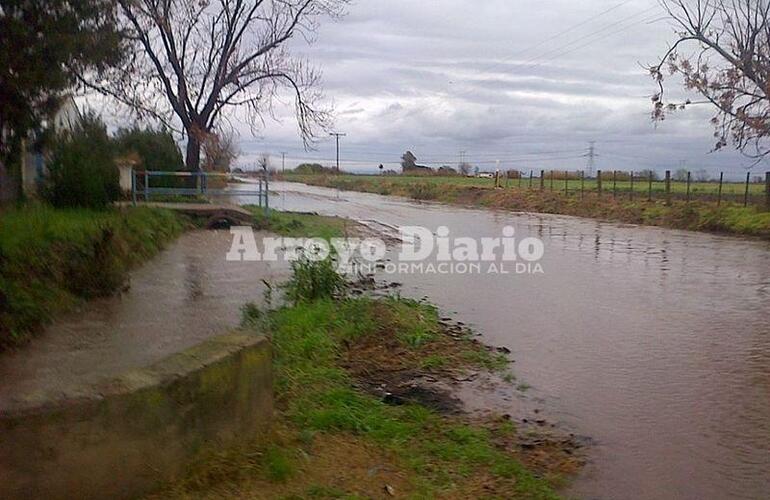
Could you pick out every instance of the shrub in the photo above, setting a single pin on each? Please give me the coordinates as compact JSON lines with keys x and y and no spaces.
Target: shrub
{"x":313,"y":280}
{"x":82,"y":170}
{"x":154,"y":150}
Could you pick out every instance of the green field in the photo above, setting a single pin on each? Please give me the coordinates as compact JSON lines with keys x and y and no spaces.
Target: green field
{"x":617,"y":202}
{"x":733,"y":191}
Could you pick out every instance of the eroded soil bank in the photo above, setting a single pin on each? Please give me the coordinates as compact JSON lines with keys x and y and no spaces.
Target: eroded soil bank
{"x":370,"y":406}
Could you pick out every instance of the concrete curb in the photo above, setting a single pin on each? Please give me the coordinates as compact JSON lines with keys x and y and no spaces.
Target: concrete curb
{"x":141,"y":428}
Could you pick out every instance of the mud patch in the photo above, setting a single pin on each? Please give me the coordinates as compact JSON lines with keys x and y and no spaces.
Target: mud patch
{"x":457,"y":376}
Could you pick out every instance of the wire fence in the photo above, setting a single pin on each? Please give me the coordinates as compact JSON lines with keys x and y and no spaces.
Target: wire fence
{"x":643,"y":186}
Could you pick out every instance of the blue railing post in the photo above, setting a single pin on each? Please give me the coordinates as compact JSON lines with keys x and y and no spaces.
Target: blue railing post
{"x":267,"y":193}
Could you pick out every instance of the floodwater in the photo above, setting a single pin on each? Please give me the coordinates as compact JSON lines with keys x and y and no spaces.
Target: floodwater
{"x":182,"y":297}
{"x":653,"y":342}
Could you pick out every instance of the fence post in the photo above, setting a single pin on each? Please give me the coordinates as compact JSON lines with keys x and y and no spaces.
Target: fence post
{"x":582,"y":183}
{"x":146,"y":186}
{"x":614,"y":183}
{"x":551,"y":183}
{"x":767,"y":191}
{"x":746,"y":193}
{"x":599,"y":182}
{"x":530,"y":179}
{"x":566,"y":183}
{"x":688,"y":187}
{"x":668,"y":187}
{"x":719,"y":191}
{"x":542,"y":180}
{"x":649,"y":189}
{"x":632,"y":186}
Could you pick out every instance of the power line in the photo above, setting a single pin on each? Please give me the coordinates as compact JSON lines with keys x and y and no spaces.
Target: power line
{"x":560,"y":50}
{"x":592,"y":34}
{"x":555,"y":36}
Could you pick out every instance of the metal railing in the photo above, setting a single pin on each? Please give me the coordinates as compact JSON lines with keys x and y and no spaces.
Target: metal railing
{"x":183,"y":184}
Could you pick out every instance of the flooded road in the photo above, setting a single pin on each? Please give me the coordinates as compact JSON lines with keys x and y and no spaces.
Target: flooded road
{"x":180,"y":298}
{"x":653,"y":342}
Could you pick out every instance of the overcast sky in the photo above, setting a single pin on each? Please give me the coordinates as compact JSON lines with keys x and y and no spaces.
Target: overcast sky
{"x":526,"y":82}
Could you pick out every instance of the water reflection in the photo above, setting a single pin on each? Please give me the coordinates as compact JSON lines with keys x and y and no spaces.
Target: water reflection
{"x":185,"y":295}
{"x":653,"y":342}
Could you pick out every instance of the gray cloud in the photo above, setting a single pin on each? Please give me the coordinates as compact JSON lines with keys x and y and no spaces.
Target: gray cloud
{"x":442,"y":76}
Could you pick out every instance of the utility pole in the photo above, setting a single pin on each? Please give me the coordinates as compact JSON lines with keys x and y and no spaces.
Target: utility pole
{"x":337,"y":136}
{"x":283,"y":161}
{"x":591,"y":158}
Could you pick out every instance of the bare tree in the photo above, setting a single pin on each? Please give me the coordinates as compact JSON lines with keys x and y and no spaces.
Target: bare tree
{"x":192,"y":62}
{"x":219,"y":151}
{"x":729,"y":68}
{"x":263,"y":162}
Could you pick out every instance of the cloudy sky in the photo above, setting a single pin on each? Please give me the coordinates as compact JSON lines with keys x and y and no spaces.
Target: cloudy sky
{"x":527,"y":82}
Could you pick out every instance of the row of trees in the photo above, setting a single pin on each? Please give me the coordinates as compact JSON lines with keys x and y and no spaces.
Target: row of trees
{"x":186,"y":65}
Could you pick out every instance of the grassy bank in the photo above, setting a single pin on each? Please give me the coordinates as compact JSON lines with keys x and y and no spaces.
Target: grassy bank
{"x":337,"y":439}
{"x":301,"y":225}
{"x":51,"y":259}
{"x":698,"y":216}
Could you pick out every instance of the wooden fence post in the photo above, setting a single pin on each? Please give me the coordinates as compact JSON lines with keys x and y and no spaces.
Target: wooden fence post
{"x":649,"y":189}
{"x":582,"y":183}
{"x":719,"y":192}
{"x":614,"y":183}
{"x":530,"y":179}
{"x":668,"y":187}
{"x":566,"y":183}
{"x":551,"y":183}
{"x":767,"y":191}
{"x":632,"y":186}
{"x":542,"y":180}
{"x":688,"y":187}
{"x":746,"y":193}
{"x":599,"y":182}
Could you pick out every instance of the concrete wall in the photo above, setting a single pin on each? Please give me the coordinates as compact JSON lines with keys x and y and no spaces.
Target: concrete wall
{"x":141,"y":428}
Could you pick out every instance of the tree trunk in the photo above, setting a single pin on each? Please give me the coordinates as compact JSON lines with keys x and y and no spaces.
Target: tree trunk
{"x":193,"y":157}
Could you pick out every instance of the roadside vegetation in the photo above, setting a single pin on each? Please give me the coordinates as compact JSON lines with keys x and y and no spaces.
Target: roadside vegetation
{"x":52,"y":259}
{"x":337,"y":435}
{"x":728,"y":218}
{"x":301,"y":225}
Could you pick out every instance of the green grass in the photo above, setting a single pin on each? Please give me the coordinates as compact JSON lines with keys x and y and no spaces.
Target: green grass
{"x":50,"y":259}
{"x":640,"y":186}
{"x":299,"y":225}
{"x":319,"y":397}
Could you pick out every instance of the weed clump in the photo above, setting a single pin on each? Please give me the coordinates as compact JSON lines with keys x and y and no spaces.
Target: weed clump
{"x":313,"y":280}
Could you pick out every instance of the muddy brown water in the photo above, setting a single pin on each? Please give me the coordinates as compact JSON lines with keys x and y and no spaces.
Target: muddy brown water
{"x":185,"y":295}
{"x":653,"y":342}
